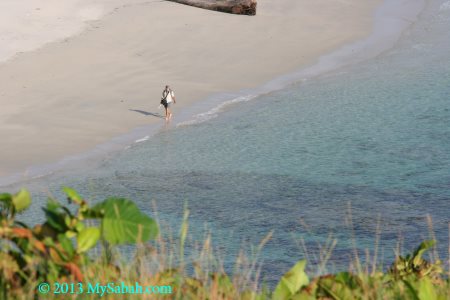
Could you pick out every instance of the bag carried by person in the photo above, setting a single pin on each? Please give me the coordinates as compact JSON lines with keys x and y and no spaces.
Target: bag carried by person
{"x":164,"y":99}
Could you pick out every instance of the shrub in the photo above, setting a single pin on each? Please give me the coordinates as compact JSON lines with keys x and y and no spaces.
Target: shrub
{"x":56,"y":251}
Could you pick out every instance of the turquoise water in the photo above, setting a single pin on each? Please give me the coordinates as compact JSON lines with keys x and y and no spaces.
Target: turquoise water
{"x":375,"y":136}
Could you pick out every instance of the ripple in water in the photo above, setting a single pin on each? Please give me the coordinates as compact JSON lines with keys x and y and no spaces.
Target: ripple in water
{"x":375,"y":136}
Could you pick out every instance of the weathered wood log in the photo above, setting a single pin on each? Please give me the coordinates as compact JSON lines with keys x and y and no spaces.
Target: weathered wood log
{"x":239,"y":7}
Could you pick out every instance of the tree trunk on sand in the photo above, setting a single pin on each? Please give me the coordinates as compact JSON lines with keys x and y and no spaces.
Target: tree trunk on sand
{"x":239,"y":7}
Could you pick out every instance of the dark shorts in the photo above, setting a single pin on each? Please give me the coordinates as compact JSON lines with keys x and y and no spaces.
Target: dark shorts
{"x":167,"y":105}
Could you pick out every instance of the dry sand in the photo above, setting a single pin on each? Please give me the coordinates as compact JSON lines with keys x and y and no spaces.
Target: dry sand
{"x":70,"y":95}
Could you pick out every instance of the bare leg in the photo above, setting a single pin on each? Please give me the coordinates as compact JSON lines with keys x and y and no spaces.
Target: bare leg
{"x":167,"y":114}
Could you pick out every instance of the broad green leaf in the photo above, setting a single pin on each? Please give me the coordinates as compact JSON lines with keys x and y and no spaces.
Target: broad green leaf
{"x":87,"y":238}
{"x":123,"y":222}
{"x":53,"y":205}
{"x":6,"y":198}
{"x":424,"y":246}
{"x":68,"y":221}
{"x":66,"y":244}
{"x":291,"y":282}
{"x":79,"y":226}
{"x":70,"y":234}
{"x":303,"y":295}
{"x":426,"y":289}
{"x":21,"y":200}
{"x":55,"y":220}
{"x":72,"y":195}
{"x":411,"y":291}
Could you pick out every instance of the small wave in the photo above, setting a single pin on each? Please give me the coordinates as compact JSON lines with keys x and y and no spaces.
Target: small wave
{"x":213,"y":113}
{"x":422,"y":46}
{"x":44,"y":174}
{"x":445,"y":6}
{"x":142,"y":140}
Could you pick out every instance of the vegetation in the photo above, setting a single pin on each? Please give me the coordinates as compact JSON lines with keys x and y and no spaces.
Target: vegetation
{"x":56,"y":251}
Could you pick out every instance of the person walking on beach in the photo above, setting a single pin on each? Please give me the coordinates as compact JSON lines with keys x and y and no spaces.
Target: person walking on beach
{"x":167,"y":98}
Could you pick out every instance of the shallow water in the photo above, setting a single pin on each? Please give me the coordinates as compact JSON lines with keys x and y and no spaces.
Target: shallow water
{"x":375,"y":136}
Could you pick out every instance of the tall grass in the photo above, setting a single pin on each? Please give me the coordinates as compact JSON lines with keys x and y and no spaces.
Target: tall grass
{"x":195,"y":270}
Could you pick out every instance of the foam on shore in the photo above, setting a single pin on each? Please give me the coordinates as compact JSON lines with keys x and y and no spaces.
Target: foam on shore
{"x":391,"y":20}
{"x":383,"y":38}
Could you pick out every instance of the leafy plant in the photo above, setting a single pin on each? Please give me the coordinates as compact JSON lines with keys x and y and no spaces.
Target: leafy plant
{"x":414,"y":264}
{"x":123,"y":222}
{"x":56,"y":249}
{"x":410,"y":277}
{"x":292,"y":281}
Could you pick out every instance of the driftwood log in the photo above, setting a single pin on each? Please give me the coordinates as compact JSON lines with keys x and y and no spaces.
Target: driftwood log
{"x":239,"y":7}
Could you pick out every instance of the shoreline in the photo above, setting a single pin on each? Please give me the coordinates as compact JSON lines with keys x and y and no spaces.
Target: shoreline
{"x":217,"y":100}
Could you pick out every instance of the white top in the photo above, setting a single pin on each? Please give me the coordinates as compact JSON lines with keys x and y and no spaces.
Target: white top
{"x":170,"y":96}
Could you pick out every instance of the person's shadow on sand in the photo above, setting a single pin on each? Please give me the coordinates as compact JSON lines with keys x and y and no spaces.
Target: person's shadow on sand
{"x":147,"y":113}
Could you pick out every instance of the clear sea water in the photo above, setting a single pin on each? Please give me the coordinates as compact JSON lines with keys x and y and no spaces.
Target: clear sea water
{"x":374,"y":136}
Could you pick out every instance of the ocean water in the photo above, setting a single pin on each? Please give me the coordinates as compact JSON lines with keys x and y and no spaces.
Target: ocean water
{"x":372,"y":138}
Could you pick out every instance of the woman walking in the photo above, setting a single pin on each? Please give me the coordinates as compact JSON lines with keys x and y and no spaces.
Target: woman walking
{"x":168,"y":97}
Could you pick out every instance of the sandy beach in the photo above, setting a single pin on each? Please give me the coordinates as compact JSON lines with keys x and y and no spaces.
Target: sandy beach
{"x":79,"y":91}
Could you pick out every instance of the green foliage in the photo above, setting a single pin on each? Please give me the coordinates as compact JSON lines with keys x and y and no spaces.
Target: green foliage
{"x":87,"y":238}
{"x":292,"y":282}
{"x":12,"y":204}
{"x":426,"y":289}
{"x":123,"y":222}
{"x":56,"y":249}
{"x":21,"y":200}
{"x":415,"y":265}
{"x":72,"y":195}
{"x":410,"y":277}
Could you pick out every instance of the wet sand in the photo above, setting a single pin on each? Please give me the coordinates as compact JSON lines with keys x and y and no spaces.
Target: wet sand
{"x":77,"y":92}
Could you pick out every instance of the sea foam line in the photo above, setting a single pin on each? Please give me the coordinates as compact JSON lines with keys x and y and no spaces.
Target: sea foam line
{"x":391,"y":19}
{"x":214,"y":112}
{"x":142,"y":140}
